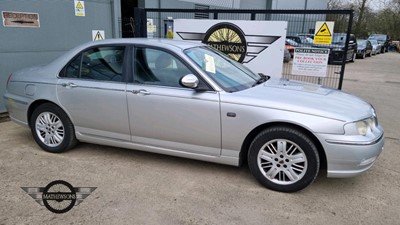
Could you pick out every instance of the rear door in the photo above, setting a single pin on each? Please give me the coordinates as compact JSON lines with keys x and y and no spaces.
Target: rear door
{"x":92,"y":90}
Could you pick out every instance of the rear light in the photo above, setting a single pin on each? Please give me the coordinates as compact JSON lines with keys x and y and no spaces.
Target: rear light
{"x":8,"y":80}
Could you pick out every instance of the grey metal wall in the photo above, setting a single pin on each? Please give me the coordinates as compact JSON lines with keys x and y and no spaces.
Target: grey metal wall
{"x":59,"y":31}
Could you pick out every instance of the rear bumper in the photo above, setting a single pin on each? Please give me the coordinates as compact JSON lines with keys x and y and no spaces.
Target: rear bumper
{"x":17,"y":108}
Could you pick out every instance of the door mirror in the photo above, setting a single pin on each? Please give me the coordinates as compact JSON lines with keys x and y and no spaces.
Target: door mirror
{"x":189,"y":81}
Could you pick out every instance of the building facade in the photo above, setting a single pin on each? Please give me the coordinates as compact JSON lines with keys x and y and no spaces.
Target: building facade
{"x":63,"y":24}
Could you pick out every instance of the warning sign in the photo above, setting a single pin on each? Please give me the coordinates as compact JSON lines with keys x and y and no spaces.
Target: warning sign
{"x":79,"y":8}
{"x":323,"y":34}
{"x":98,"y":35}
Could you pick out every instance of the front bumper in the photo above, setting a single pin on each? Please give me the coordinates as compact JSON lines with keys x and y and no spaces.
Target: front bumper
{"x":348,"y":159}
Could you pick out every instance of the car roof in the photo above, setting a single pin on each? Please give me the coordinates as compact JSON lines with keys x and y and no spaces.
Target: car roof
{"x":161,"y":42}
{"x":174,"y":45}
{"x":377,"y":34}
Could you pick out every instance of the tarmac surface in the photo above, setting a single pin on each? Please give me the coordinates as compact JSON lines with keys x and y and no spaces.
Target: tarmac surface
{"x":136,"y":187}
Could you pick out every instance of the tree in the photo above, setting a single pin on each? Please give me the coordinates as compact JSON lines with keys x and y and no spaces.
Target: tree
{"x":360,"y":23}
{"x":366,"y":20}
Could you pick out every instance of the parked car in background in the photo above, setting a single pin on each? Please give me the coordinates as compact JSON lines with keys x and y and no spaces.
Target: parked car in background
{"x":290,"y":45}
{"x":376,"y":47}
{"x":301,"y":40}
{"x":382,"y":39}
{"x":306,"y":35}
{"x":337,"y":48}
{"x":189,"y":100}
{"x":364,"y":48}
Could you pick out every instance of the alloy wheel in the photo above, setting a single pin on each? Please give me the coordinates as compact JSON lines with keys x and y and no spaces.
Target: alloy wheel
{"x":282,"y":162}
{"x":49,"y":129}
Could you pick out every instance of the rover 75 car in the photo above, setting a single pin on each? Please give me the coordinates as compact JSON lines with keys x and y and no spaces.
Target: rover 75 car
{"x":188,"y":100}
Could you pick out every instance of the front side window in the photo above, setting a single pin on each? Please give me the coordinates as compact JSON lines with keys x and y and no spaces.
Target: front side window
{"x":100,"y":63}
{"x":229,"y":74}
{"x":157,"y":67}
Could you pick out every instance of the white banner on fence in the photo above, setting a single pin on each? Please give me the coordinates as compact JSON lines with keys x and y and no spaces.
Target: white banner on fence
{"x":310,"y":61}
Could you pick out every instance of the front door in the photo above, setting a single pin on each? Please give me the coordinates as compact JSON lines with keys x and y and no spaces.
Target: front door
{"x":166,"y":115}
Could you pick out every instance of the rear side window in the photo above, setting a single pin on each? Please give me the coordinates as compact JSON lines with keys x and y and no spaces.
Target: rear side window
{"x":100,"y":63}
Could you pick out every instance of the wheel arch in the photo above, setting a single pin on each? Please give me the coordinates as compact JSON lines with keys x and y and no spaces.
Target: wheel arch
{"x":250,"y":137}
{"x":68,"y":139}
{"x":38,"y":103}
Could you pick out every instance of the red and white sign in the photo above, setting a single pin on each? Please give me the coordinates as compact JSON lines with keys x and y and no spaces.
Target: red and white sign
{"x":310,"y":61}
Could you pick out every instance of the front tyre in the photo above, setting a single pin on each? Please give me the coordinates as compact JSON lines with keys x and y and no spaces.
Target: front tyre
{"x":283,"y":159}
{"x":51,"y":128}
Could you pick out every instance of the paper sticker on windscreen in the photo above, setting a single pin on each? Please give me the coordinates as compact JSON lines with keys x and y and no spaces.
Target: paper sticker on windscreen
{"x":210,"y":64}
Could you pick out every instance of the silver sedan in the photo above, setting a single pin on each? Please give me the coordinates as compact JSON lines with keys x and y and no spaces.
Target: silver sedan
{"x":376,"y":47}
{"x":186,"y":99}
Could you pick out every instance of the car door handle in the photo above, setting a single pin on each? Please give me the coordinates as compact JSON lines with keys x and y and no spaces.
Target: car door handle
{"x":141,"y":92}
{"x":69,"y":84}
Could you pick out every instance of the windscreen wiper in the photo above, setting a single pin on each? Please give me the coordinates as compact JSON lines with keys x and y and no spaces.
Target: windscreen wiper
{"x":262,"y":79}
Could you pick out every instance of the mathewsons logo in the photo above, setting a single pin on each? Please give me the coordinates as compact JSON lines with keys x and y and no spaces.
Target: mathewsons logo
{"x":227,"y":38}
{"x":231,"y":40}
{"x":257,"y":44}
{"x":59,"y":196}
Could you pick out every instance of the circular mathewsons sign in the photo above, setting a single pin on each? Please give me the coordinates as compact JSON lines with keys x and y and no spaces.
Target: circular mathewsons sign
{"x":227,"y":38}
{"x":59,"y":196}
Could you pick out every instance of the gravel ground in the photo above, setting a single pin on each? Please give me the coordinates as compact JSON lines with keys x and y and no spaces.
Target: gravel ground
{"x":142,"y":188}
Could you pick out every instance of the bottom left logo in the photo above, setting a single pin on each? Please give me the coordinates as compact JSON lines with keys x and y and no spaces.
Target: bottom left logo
{"x":59,"y":196}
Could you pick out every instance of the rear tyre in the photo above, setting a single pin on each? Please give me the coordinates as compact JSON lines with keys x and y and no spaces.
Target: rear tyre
{"x":283,"y":159}
{"x":51,"y":128}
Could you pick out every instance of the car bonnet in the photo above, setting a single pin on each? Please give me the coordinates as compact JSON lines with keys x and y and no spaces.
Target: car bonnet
{"x":304,"y":98}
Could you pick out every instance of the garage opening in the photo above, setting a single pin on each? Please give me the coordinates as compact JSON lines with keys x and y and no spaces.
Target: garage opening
{"x":127,"y":21}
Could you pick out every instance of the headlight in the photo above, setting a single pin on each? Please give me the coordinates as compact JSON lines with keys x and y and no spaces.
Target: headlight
{"x":362,"y":127}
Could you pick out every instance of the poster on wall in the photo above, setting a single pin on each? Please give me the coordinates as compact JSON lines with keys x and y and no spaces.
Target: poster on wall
{"x":20,"y":19}
{"x":257,"y":44}
{"x":79,"y":8}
